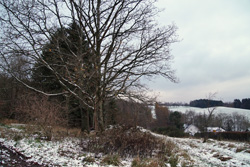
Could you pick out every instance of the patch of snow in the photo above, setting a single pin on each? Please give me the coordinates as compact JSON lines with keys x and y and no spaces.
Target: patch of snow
{"x":152,"y":107}
{"x":218,"y":110}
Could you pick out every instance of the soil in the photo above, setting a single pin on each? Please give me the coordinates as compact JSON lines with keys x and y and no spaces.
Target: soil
{"x":10,"y":158}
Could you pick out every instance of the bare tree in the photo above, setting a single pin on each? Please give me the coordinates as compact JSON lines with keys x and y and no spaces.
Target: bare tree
{"x":189,"y":117}
{"x":207,"y":117}
{"x":240,"y":122}
{"x":134,"y":114}
{"x":162,"y":116}
{"x":123,"y":38}
{"x":38,"y":110}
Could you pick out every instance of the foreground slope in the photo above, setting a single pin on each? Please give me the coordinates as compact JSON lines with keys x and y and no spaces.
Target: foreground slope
{"x":216,"y":153}
{"x":67,"y":151}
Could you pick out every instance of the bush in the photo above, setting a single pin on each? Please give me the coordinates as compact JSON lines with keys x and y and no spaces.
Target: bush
{"x":88,"y":160}
{"x":40,"y":113}
{"x":137,"y":162}
{"x":173,"y":161}
{"x":170,"y":131}
{"x":126,"y":142}
{"x":238,"y":136}
{"x":112,"y":160}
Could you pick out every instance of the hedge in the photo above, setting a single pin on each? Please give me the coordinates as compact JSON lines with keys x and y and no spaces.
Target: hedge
{"x":238,"y":136}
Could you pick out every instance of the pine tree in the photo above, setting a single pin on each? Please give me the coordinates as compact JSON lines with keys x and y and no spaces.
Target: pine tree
{"x":67,"y":48}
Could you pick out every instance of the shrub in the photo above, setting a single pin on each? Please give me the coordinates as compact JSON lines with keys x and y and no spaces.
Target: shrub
{"x":137,"y":162}
{"x":238,"y":136}
{"x":112,"y":160}
{"x":173,"y":161}
{"x":170,"y":131}
{"x":126,"y":142}
{"x":40,"y":113}
{"x":17,"y":137}
{"x":88,"y":160}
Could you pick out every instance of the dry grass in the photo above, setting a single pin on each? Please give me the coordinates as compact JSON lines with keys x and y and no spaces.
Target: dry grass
{"x":8,"y":121}
{"x":39,"y":110}
{"x":112,"y":160}
{"x":221,"y":157}
{"x":153,"y":162}
{"x":128,"y":142}
{"x":62,"y":132}
{"x":193,"y":145}
{"x":224,"y":158}
{"x":12,"y":129}
{"x":239,"y":149}
{"x":185,"y":155}
{"x":231,"y":146}
{"x":88,"y":160}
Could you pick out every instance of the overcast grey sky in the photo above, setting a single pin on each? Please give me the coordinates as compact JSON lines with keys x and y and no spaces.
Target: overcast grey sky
{"x":214,"y":52}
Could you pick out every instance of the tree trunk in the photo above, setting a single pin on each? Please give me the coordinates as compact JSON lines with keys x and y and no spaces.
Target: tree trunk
{"x":95,"y":118}
{"x":101,"y":120}
{"x":84,"y":118}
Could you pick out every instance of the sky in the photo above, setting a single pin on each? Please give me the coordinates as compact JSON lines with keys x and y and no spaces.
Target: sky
{"x":213,"y":52}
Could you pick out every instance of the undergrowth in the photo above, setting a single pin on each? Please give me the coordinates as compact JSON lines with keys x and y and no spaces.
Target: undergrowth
{"x":112,"y":160}
{"x":129,"y":142}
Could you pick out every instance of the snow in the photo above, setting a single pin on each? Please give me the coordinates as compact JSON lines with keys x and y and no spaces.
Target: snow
{"x":152,"y":107}
{"x":50,"y":153}
{"x":213,"y":153}
{"x":218,"y":110}
{"x":68,"y":152}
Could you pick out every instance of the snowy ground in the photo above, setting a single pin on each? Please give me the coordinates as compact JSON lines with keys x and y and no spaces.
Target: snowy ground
{"x":67,"y":152}
{"x":219,"y":110}
{"x":216,"y":153}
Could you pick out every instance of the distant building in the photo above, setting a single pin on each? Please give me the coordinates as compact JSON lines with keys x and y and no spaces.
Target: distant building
{"x":215,"y":129}
{"x":191,"y":129}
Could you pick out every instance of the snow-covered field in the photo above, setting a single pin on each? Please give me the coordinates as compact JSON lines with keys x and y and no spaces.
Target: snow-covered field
{"x":67,"y":152}
{"x":216,"y":153}
{"x":218,"y":110}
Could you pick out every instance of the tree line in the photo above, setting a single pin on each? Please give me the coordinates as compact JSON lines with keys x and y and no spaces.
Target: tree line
{"x":244,"y":103}
{"x":205,"y":103}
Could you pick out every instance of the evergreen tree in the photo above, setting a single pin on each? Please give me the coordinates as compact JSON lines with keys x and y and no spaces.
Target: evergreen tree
{"x":237,"y":103}
{"x":175,"y":119}
{"x":65,"y":47}
{"x":246,"y":103}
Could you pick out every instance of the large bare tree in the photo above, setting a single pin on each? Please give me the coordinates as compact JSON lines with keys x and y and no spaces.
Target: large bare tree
{"x":123,"y":39}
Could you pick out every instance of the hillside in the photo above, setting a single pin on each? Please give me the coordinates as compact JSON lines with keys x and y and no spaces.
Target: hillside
{"x":68,"y":152}
{"x":225,"y":110}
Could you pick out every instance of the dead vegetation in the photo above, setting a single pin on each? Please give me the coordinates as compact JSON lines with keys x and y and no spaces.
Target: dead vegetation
{"x":129,"y":142}
{"x":150,"y":162}
{"x":40,"y":113}
{"x":221,"y":157}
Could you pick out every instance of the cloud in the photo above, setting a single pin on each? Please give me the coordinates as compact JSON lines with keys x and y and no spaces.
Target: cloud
{"x":214,"y":53}
{"x":226,"y":91}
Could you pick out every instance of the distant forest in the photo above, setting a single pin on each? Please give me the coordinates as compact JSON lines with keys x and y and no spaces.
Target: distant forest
{"x":244,"y":103}
{"x":204,"y":103}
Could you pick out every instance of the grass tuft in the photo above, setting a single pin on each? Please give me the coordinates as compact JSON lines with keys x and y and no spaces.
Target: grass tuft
{"x":88,"y":160}
{"x":112,"y":160}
